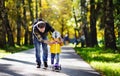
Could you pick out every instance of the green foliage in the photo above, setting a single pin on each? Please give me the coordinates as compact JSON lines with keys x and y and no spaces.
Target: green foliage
{"x":10,"y":50}
{"x":59,"y":13}
{"x":108,"y":69}
{"x":3,"y":53}
{"x":18,"y":48}
{"x":104,"y":61}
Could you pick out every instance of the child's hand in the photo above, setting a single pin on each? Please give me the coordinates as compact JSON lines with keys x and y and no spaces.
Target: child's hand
{"x":58,"y":42}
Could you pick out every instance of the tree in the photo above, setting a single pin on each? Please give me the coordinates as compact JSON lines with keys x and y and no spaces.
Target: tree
{"x":8,"y":30}
{"x":24,"y":21}
{"x":110,"y":41}
{"x":117,"y":17}
{"x":19,"y":21}
{"x":2,"y":27}
{"x":84,"y":22}
{"x":32,"y":19}
{"x":61,"y":13}
{"x":93,"y":23}
{"x":36,"y":6}
{"x":40,"y":8}
{"x":75,"y":18}
{"x":6,"y":26}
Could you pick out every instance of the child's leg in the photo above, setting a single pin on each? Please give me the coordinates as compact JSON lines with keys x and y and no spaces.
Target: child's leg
{"x":57,"y":58}
{"x":52,"y":58}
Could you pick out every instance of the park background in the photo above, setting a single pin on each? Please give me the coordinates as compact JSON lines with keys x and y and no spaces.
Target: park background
{"x":98,"y":20}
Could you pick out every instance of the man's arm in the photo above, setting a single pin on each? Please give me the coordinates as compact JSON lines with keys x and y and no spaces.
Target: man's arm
{"x":50,"y":27}
{"x":39,"y":38}
{"x":37,"y":35}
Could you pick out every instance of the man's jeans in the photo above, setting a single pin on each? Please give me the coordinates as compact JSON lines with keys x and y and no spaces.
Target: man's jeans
{"x":38,"y":49}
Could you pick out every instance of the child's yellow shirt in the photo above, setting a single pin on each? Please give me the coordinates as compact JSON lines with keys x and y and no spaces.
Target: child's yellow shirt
{"x":56,"y":47}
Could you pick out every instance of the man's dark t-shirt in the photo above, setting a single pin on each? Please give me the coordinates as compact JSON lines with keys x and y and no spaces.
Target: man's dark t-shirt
{"x":39,"y":34}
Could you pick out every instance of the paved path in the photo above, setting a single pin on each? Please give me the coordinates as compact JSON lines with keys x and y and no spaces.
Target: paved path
{"x":23,"y":64}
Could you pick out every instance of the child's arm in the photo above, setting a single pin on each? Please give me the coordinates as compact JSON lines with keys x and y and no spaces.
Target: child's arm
{"x":56,"y":41}
{"x":60,"y":41}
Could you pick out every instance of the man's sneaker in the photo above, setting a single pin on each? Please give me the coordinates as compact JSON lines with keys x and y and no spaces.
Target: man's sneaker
{"x":38,"y":65}
{"x":45,"y":64}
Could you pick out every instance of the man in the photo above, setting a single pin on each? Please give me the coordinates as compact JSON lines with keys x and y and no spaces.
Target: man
{"x":40,"y":30}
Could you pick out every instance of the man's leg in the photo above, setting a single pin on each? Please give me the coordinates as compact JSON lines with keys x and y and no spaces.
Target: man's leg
{"x":45,"y":54}
{"x":37,"y":52}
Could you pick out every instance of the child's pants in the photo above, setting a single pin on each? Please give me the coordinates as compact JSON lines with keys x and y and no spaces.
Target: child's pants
{"x":53,"y":55}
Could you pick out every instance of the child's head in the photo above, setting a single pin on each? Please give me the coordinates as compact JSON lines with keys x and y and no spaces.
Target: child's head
{"x":56,"y":35}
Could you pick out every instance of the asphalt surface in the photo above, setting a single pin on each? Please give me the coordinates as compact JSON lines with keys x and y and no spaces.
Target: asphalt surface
{"x":23,"y":64}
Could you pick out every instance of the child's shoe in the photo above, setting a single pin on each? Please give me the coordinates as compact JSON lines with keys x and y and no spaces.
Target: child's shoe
{"x":56,"y":65}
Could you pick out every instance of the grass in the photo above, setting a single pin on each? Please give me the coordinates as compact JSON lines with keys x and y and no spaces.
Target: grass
{"x":104,"y":61}
{"x":3,"y":53}
{"x":10,"y":50}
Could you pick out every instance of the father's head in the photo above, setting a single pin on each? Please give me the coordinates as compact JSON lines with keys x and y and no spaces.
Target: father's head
{"x":41,"y":26}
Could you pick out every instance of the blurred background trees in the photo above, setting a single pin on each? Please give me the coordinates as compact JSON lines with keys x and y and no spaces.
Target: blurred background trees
{"x":98,"y":20}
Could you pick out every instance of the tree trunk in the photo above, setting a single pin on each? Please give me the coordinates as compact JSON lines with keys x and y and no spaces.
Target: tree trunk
{"x":110,"y":41}
{"x":118,"y":12}
{"x":84,"y":22}
{"x":2,"y":28}
{"x":93,"y":24}
{"x":32,"y":19}
{"x":62,"y":28}
{"x":75,"y":18}
{"x":18,"y":23}
{"x":2,"y":34}
{"x":6,"y":26}
{"x":36,"y":8}
{"x":40,"y":9}
{"x":9,"y":31}
{"x":18,"y":28}
{"x":87,"y":35}
{"x":118,"y":25}
{"x":24,"y":23}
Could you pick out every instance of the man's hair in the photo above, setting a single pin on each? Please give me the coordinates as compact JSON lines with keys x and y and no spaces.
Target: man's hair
{"x":36,"y":20}
{"x":41,"y":24}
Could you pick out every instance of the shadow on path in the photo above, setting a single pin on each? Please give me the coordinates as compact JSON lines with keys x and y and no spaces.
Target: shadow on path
{"x":23,"y":64}
{"x":4,"y":68}
{"x":20,"y":61}
{"x":79,"y":72}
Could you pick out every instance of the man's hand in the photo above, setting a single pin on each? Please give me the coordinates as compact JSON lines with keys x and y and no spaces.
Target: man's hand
{"x":46,"y":41}
{"x":53,"y":42}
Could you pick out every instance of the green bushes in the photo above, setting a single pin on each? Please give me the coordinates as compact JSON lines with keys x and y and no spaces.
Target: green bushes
{"x":104,"y":61}
{"x":9,"y":50}
{"x":18,"y":48}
